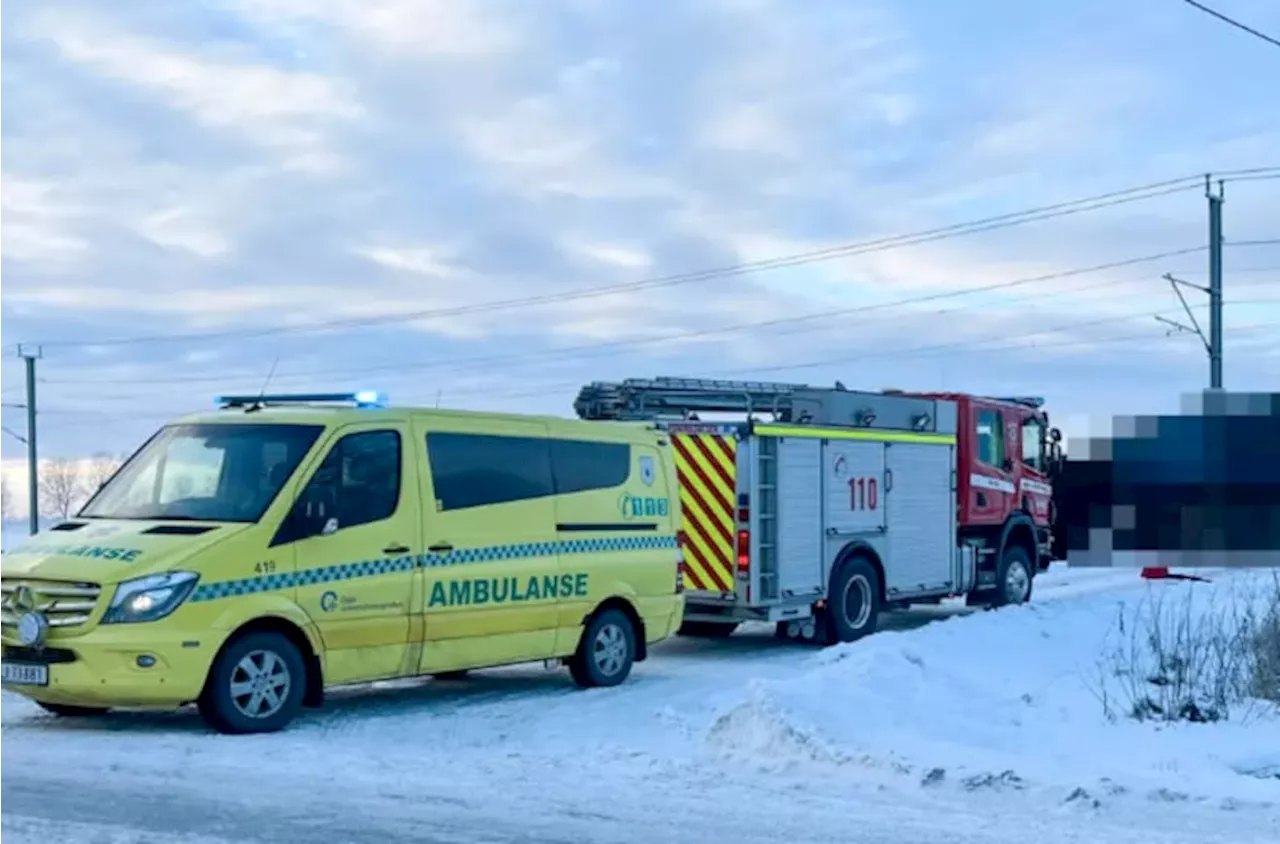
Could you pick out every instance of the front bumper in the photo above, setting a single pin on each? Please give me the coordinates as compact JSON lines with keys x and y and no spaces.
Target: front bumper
{"x":101,"y":667}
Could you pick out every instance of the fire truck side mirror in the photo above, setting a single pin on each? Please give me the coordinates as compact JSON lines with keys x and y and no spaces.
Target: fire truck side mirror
{"x":1055,"y":435}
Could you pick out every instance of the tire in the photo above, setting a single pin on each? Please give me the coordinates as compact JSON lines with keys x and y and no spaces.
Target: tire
{"x":64,"y":710}
{"x":1014,"y":578}
{"x":707,"y":629}
{"x":607,"y":651}
{"x":257,"y":662}
{"x":853,"y":603}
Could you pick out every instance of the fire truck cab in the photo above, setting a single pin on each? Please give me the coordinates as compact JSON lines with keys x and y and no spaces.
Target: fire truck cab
{"x":817,"y":508}
{"x":1010,"y":457}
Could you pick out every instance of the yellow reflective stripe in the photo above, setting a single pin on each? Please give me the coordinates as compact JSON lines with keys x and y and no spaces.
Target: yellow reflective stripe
{"x":850,"y":434}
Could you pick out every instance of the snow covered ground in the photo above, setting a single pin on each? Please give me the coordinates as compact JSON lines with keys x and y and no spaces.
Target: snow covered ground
{"x":948,"y":726}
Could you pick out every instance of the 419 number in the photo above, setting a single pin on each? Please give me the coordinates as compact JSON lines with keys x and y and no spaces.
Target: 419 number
{"x":864,"y":493}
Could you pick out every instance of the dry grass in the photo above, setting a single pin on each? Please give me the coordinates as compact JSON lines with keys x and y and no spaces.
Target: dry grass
{"x":1193,"y":657}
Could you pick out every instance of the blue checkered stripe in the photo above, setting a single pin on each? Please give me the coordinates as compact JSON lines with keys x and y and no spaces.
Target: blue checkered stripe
{"x":460,"y":556}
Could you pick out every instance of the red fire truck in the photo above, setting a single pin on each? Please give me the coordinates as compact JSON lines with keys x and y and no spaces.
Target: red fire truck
{"x":817,"y":508}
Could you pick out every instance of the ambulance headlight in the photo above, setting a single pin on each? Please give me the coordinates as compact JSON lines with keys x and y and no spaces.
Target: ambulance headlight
{"x":149,"y":598}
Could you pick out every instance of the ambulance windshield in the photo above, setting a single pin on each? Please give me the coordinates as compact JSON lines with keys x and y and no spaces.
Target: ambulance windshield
{"x":215,"y":473}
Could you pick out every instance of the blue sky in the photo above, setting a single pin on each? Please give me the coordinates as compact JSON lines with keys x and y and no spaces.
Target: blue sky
{"x":265,"y":166}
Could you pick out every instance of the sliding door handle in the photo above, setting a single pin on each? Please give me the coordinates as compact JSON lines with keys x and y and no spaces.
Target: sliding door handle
{"x":396,"y":549}
{"x":441,"y":548}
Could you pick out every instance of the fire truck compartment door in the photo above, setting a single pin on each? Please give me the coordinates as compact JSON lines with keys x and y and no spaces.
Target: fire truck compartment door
{"x":799,"y":522}
{"x":922,"y":512}
{"x":856,"y":487}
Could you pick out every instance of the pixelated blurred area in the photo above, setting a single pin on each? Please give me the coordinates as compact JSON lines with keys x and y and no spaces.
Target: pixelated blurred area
{"x":1196,"y":490}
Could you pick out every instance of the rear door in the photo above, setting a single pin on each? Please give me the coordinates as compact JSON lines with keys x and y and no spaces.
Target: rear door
{"x":613,"y":523}
{"x":706,"y":471}
{"x":492,"y":584}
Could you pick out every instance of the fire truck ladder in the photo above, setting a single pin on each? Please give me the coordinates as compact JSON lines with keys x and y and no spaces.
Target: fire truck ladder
{"x":639,"y":399}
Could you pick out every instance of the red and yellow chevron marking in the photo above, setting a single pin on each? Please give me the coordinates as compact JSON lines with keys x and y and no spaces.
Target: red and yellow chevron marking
{"x":706,"y":466}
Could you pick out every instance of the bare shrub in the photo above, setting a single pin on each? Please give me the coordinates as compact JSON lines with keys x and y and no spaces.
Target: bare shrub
{"x":1266,"y":648}
{"x":61,"y":487}
{"x":1179,"y":659}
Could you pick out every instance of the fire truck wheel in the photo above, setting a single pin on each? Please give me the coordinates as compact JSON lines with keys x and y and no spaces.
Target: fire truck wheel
{"x":707,"y":629}
{"x":1013,"y":578}
{"x":853,"y":605}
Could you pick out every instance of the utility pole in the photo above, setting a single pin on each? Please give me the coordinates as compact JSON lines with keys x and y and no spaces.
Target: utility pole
{"x":1215,"y":283}
{"x":33,"y":481}
{"x":1212,"y":343}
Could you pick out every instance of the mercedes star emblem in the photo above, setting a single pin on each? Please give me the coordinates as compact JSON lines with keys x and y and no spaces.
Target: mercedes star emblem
{"x":23,"y":600}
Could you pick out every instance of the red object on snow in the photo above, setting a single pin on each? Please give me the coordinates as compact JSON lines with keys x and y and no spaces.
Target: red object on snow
{"x":1163,"y":573}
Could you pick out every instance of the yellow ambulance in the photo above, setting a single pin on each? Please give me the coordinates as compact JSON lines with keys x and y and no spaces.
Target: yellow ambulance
{"x":248,"y":558}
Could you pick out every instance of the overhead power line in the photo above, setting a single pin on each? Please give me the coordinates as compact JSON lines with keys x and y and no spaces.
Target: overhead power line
{"x":876,"y":351}
{"x":542,"y":389}
{"x":671,"y":337}
{"x":1225,"y":19}
{"x":595,"y":348}
{"x":1000,"y":221}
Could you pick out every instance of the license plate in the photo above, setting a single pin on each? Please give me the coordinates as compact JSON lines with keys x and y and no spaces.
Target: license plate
{"x":24,"y":674}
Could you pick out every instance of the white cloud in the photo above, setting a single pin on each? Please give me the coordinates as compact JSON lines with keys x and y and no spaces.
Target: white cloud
{"x":347,"y":159}
{"x":178,"y":228}
{"x":450,"y":29}
{"x":38,"y":222}
{"x":282,"y":110}
{"x":415,"y":260}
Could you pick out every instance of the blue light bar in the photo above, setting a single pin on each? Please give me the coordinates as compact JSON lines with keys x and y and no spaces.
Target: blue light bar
{"x":363,"y":398}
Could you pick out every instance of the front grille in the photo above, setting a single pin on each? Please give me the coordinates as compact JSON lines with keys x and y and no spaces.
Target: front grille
{"x":44,"y":656}
{"x":64,"y":603}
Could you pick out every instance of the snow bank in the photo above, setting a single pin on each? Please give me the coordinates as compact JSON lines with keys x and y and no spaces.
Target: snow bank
{"x":996,"y":699}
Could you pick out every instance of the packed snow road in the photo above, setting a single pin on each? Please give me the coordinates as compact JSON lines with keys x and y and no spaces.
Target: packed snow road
{"x":978,"y":728}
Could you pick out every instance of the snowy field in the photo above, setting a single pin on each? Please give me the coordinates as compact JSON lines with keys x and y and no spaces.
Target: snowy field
{"x":948,"y":726}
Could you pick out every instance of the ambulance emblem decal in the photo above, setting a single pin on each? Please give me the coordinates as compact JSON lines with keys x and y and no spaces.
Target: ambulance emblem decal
{"x":646,"y":470}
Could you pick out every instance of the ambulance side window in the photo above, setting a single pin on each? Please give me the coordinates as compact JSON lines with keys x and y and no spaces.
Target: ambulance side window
{"x":360,"y":478}
{"x":476,"y":470}
{"x":581,"y":466}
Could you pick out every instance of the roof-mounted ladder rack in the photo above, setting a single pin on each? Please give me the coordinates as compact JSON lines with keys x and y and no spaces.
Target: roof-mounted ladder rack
{"x":648,"y":398}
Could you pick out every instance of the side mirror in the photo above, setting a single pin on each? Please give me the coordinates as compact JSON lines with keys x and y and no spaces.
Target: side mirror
{"x":330,"y":526}
{"x":1055,"y":435}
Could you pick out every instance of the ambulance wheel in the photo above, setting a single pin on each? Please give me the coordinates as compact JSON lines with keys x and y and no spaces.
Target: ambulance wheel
{"x":606,"y":652}
{"x":63,"y":710}
{"x":853,"y":604}
{"x":256,"y":685}
{"x":707,"y":629}
{"x":1014,"y":577}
